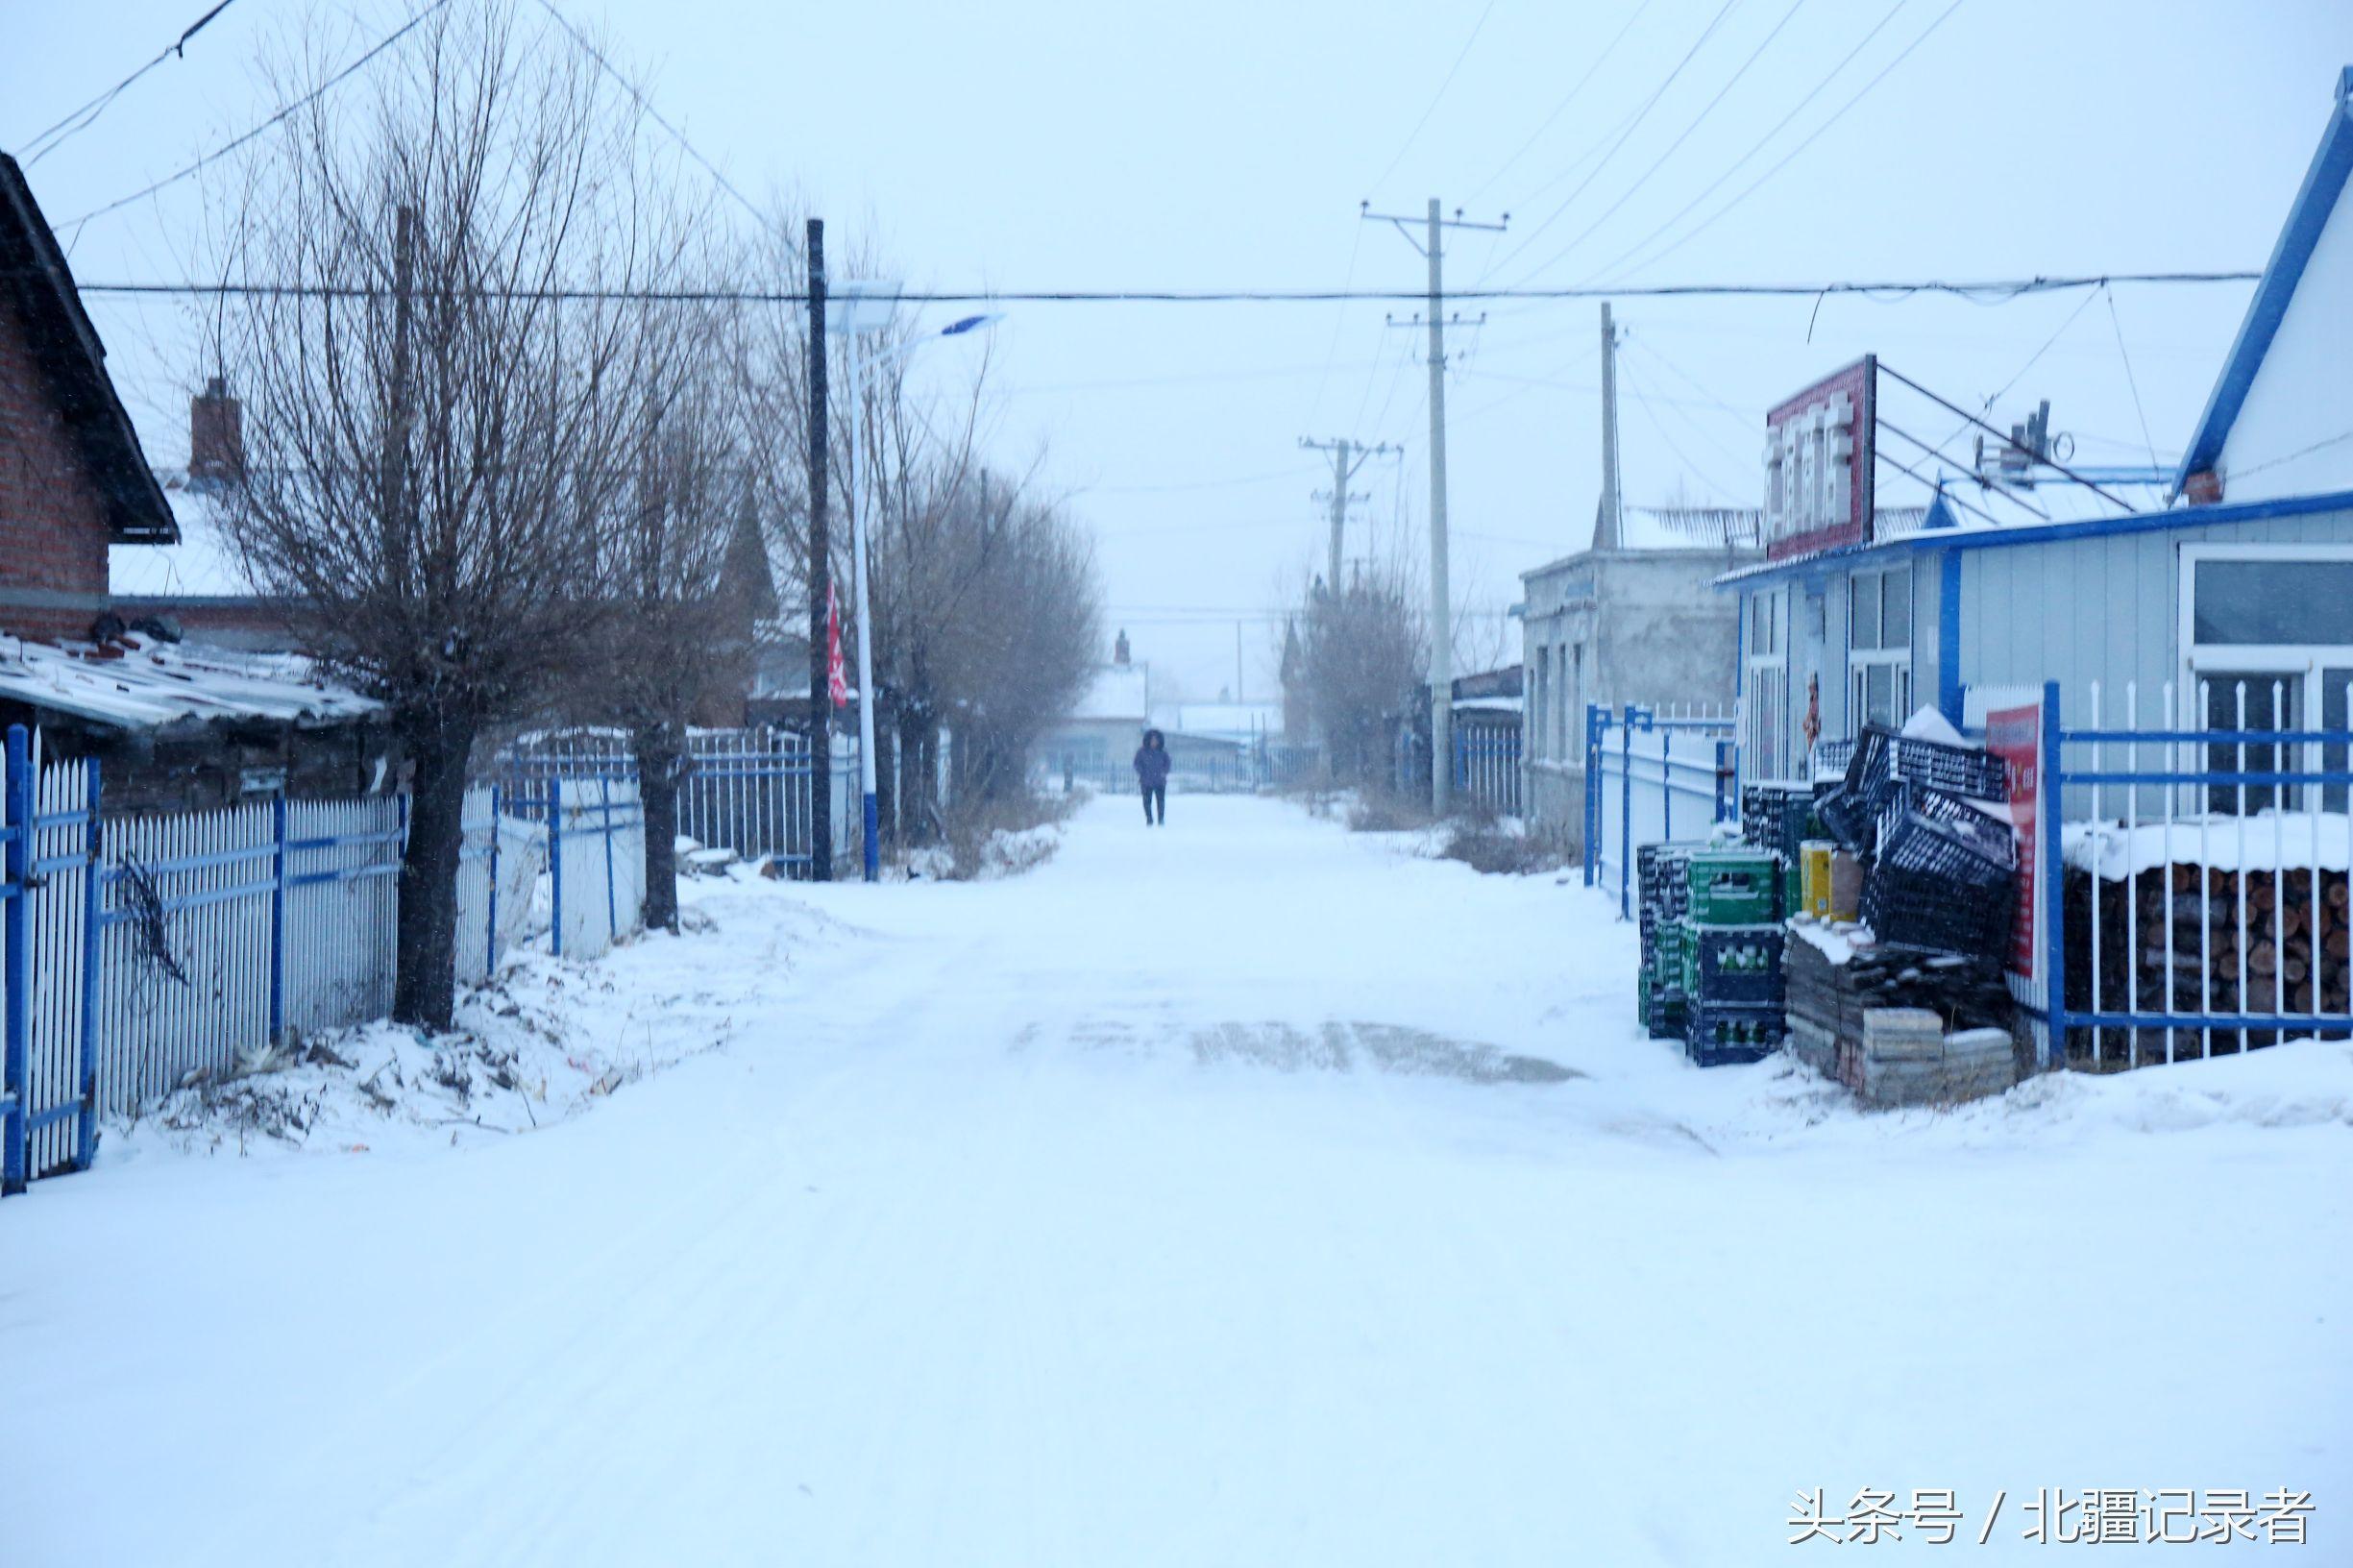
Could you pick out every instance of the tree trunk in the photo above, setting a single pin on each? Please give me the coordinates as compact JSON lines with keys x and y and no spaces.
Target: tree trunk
{"x":660,"y":760}
{"x":424,"y":984}
{"x":915,"y":804}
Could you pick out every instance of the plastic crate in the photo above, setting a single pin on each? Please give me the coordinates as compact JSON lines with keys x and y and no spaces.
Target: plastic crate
{"x":1884,"y":760}
{"x":1719,"y":1033}
{"x":1734,"y":964}
{"x":1989,"y":835}
{"x":1665,"y":1017}
{"x":1735,"y":887}
{"x":1665,"y":962}
{"x":1847,"y":818}
{"x":1934,"y":886}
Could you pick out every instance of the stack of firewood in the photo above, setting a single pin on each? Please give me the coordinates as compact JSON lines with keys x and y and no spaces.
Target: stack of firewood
{"x":1827,"y":997}
{"x":2290,"y":947}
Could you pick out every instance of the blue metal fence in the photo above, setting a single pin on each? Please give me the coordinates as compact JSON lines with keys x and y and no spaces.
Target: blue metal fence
{"x":2209,"y":860}
{"x":1650,"y":774}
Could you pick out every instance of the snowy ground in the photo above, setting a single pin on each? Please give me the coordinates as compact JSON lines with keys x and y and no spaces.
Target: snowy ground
{"x":1241,"y":1192}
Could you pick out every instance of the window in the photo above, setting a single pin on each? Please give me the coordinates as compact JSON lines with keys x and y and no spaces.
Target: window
{"x":2267,"y":645}
{"x":1765,"y":686}
{"x":1879,"y":648}
{"x":1538,"y":688}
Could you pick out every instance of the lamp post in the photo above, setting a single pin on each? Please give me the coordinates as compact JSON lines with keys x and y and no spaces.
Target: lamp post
{"x":862,"y":308}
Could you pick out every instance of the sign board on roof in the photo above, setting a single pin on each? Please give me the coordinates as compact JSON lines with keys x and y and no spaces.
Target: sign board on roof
{"x":1819,"y":463}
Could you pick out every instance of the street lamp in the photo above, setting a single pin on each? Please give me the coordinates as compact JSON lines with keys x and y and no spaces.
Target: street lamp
{"x":862,"y":308}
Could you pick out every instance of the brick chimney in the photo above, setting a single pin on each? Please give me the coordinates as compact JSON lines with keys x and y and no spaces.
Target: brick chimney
{"x":216,"y":435}
{"x":1118,"y":649}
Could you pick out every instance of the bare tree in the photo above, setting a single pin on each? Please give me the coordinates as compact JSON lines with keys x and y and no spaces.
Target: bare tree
{"x":438,"y":441}
{"x":1364,"y":650}
{"x":691,"y":570}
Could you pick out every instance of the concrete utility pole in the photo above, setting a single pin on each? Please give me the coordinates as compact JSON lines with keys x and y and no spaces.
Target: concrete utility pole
{"x":1442,"y":603}
{"x":820,"y":579}
{"x":1347,"y":457}
{"x":1609,"y":528}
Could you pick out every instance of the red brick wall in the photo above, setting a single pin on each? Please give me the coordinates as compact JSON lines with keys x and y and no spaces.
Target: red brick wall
{"x":53,"y":527}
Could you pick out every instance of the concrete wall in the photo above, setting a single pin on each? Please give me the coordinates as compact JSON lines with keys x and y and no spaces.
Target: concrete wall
{"x":1653,"y":629}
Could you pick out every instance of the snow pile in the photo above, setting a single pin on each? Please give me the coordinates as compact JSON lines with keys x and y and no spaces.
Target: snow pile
{"x":542,"y":1042}
{"x":2263,"y":841}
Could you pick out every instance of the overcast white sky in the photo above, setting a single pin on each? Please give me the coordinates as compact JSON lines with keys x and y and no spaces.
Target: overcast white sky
{"x":1091,"y":146}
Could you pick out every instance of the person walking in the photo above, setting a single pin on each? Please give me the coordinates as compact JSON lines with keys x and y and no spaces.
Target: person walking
{"x":1152,"y":773}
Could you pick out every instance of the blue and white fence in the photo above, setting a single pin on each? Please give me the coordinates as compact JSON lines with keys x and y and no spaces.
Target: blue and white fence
{"x":1488,"y":765}
{"x":2207,"y":912}
{"x":1653,"y":775}
{"x":138,"y":951}
{"x":749,"y":791}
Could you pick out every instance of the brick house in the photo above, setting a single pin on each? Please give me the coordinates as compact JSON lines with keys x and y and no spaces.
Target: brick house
{"x":73,"y":480}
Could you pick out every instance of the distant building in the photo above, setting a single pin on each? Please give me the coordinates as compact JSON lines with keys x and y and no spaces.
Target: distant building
{"x":1632,"y":618}
{"x":1099,"y":736}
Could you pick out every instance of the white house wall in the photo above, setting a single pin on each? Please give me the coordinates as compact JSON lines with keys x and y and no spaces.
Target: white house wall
{"x":2291,"y":436}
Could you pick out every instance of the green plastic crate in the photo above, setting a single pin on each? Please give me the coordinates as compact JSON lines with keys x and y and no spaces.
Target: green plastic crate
{"x":1735,"y":887}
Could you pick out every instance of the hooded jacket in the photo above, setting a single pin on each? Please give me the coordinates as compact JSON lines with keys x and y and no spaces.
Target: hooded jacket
{"x":1152,"y":761}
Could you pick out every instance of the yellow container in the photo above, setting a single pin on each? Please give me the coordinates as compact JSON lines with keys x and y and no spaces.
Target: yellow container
{"x":1814,"y":877}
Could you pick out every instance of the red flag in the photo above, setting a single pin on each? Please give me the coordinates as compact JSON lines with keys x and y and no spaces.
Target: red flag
{"x":837,"y":680}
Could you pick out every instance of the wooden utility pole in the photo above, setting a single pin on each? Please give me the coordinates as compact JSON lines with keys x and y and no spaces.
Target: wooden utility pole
{"x":821,"y":581}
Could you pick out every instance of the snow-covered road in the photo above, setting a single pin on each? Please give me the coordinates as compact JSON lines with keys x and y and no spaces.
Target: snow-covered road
{"x":1241,"y":1192}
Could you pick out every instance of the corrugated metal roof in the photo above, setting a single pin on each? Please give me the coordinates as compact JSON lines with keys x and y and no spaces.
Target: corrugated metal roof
{"x":158,"y":686}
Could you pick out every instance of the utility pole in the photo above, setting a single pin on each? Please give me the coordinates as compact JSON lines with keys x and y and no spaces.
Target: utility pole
{"x":820,"y":579}
{"x":1347,"y":457}
{"x":1609,"y":530}
{"x":1441,"y":604}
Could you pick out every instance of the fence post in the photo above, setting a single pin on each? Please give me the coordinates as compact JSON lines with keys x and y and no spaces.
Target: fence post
{"x":612,"y":910}
{"x":14,"y":954}
{"x":278,"y":918}
{"x":1625,"y":808}
{"x":490,"y":935}
{"x":2054,"y":903}
{"x":1596,"y":723}
{"x":555,"y":864}
{"x":85,"y":1145}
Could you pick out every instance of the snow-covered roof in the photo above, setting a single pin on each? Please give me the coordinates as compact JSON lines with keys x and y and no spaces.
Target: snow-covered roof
{"x":1230,"y":720}
{"x":2300,"y":237}
{"x":1487,"y":705}
{"x":203,"y":565}
{"x":1690,"y":527}
{"x":138,"y":684}
{"x":1117,"y":692}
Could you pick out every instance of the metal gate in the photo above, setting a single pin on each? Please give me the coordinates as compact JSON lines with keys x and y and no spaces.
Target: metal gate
{"x":1652,"y":774}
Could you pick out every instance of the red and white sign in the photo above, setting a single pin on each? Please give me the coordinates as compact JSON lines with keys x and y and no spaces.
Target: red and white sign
{"x":2014,"y":735}
{"x":1819,"y":463}
{"x":837,"y":677}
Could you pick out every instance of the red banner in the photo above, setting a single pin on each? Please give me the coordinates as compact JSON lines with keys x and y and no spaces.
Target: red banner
{"x":2014,"y":735}
{"x":836,"y":678}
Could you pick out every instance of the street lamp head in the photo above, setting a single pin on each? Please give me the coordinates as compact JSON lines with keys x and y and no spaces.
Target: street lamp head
{"x":969,"y":323}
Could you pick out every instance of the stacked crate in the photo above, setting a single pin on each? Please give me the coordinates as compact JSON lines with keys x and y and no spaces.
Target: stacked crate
{"x":1661,"y":871}
{"x":1732,"y":956}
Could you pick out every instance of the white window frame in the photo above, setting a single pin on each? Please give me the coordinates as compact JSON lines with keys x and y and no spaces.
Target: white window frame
{"x":2304,"y":660}
{"x":1861,"y":661}
{"x":1765,"y":727}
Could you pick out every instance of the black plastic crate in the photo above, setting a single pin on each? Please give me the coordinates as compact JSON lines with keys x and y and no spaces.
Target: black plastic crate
{"x":1989,"y":835}
{"x":1719,"y":1033}
{"x":1847,"y":818}
{"x":1884,"y":760}
{"x":1776,"y":817}
{"x":1933,"y":886}
{"x":1731,"y":965}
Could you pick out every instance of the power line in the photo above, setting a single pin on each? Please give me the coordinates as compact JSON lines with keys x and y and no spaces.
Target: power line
{"x":1561,"y":107}
{"x":1705,"y":476}
{"x":1954,"y":407}
{"x":652,"y":114}
{"x":1983,"y":290}
{"x":1463,"y":53}
{"x":2130,"y":380}
{"x":72,"y":125}
{"x":224,"y":149}
{"x":1632,"y":127}
{"x":1814,"y":135}
{"x":1709,"y":107}
{"x":1756,"y":147}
